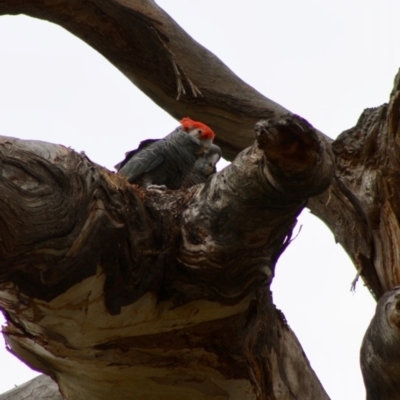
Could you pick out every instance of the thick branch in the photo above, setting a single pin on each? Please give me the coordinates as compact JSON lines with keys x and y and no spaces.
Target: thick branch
{"x":144,"y":43}
{"x":106,"y":284}
{"x":241,"y":221}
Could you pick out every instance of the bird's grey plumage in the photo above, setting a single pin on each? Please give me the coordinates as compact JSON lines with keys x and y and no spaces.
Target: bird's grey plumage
{"x":204,"y":167}
{"x":163,"y":162}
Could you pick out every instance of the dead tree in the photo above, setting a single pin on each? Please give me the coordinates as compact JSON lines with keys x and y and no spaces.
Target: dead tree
{"x":109,"y":288}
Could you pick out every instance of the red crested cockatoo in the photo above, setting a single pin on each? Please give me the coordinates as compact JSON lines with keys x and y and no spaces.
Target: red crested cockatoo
{"x":166,"y":162}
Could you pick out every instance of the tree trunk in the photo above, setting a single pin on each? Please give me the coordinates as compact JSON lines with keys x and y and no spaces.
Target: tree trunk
{"x":172,"y":293}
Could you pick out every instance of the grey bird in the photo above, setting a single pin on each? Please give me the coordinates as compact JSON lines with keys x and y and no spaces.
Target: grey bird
{"x":165,"y":163}
{"x":204,"y":167}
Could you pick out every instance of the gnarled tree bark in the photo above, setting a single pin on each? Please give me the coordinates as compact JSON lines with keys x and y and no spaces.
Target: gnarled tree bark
{"x":115,"y":291}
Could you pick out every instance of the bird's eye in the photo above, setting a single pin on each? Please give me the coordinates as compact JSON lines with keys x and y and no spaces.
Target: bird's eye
{"x":199,"y":132}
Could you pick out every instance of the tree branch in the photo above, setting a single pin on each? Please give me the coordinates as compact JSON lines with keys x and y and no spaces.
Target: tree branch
{"x":380,"y":355}
{"x":41,"y":387}
{"x":162,"y":60}
{"x":145,"y":44}
{"x":361,"y":207}
{"x":241,"y":221}
{"x":106,"y":285}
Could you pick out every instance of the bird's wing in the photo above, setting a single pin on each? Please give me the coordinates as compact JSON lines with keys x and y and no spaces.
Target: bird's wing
{"x":146,"y":158}
{"x":129,"y":154}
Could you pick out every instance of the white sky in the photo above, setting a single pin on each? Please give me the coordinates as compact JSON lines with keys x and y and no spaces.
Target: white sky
{"x":325,"y":60}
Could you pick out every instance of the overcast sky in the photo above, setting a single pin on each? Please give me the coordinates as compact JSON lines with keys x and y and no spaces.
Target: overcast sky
{"x":324,"y":60}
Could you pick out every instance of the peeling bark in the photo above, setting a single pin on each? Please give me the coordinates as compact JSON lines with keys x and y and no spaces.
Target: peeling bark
{"x":115,"y":291}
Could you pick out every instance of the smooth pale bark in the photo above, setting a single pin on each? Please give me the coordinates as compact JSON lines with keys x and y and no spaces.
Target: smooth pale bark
{"x":39,"y":388}
{"x":119,"y":292}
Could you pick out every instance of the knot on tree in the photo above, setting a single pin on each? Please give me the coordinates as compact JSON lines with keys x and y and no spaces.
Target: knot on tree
{"x":295,"y":154}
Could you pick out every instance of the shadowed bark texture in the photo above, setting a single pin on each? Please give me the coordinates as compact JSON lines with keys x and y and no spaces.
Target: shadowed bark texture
{"x":119,"y":292}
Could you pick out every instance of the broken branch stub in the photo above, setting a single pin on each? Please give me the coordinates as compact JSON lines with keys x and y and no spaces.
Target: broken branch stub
{"x":294,"y":150}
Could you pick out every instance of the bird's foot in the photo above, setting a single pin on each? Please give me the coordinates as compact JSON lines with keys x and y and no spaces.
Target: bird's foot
{"x":156,"y":187}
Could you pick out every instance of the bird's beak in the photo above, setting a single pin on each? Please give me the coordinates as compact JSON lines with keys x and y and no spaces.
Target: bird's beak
{"x":206,"y":144}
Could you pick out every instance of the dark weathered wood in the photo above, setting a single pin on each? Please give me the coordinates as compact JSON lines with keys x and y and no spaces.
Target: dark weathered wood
{"x":119,"y":292}
{"x":380,"y":351}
